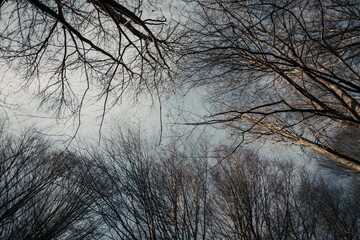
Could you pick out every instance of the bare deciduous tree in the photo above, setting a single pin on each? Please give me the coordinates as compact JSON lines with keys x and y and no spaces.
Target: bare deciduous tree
{"x":183,"y":193}
{"x":334,"y":208}
{"x":73,"y":46}
{"x":260,"y":199}
{"x":144,"y":194}
{"x":42,"y":195}
{"x":280,"y":70}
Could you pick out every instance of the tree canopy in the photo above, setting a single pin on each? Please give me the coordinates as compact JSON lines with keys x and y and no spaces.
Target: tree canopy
{"x":277,"y":70}
{"x":128,"y":189}
{"x":274,"y":70}
{"x":71,"y":46}
{"x":280,"y":70}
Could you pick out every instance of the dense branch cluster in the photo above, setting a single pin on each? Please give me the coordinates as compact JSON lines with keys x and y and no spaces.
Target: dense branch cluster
{"x":127,"y":189}
{"x":280,"y":70}
{"x":70,"y":46}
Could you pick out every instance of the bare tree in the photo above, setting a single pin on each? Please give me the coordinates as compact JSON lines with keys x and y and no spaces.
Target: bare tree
{"x":335,"y":207}
{"x":184,"y":181}
{"x":41,"y":193}
{"x":145,"y":194}
{"x":184,"y":192}
{"x":255,"y":198}
{"x":261,"y":199}
{"x":280,"y":70}
{"x":72,"y":46}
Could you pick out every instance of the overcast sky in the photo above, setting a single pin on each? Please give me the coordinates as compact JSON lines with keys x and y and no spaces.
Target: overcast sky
{"x":22,"y":108}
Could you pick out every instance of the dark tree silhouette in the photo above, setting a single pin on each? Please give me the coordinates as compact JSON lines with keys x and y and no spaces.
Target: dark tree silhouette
{"x":42,"y":195}
{"x":188,"y":191}
{"x":144,"y":194}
